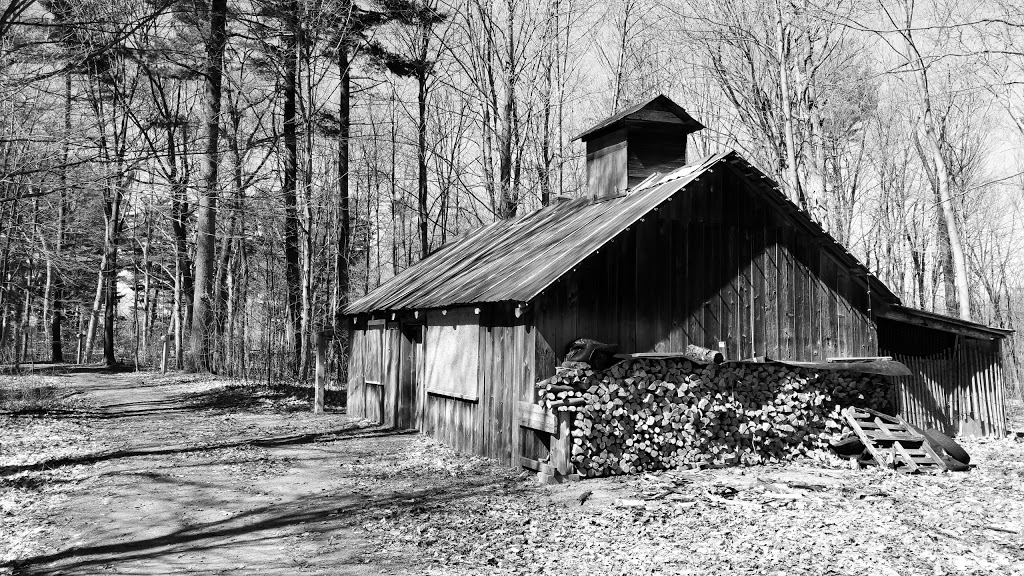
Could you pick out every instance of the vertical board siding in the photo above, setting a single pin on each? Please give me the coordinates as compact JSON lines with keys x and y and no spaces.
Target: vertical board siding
{"x":489,"y":426}
{"x":374,"y":403}
{"x":954,"y":378}
{"x":392,"y":374}
{"x":421,"y":389}
{"x":408,"y":390}
{"x":355,"y":396}
{"x":717,"y":263}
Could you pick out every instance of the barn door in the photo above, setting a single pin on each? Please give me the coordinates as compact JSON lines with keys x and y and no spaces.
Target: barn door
{"x":392,"y":374}
{"x":375,"y":371}
{"x":408,"y":383}
{"x":395,"y":399}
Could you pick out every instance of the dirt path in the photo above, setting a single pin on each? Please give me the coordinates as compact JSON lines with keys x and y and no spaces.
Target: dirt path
{"x":166,"y":475}
{"x":192,"y":477}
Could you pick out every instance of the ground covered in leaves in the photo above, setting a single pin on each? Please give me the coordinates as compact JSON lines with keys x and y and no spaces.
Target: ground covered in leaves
{"x":142,"y":474}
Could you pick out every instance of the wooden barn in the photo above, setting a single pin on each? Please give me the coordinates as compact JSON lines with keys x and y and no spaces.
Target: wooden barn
{"x":664,"y":253}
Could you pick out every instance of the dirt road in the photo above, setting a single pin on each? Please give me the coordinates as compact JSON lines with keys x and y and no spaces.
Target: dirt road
{"x":142,"y":474}
{"x":179,"y":475}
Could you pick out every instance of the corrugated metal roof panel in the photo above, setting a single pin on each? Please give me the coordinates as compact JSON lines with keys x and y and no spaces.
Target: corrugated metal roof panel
{"x":515,"y":260}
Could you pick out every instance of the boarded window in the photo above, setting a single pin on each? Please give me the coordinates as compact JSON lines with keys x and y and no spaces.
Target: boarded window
{"x":373,"y":356}
{"x":452,"y":353}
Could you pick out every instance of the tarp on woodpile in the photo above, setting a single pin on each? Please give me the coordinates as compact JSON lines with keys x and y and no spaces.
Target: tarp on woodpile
{"x":515,"y":260}
{"x":880,"y":367}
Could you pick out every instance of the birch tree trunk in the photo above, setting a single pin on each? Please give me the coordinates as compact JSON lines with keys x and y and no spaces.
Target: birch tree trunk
{"x":94,"y":313}
{"x":782,"y":54}
{"x":933,"y":144}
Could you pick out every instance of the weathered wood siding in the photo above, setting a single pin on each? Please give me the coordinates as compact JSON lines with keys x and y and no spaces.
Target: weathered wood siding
{"x":367,"y":400}
{"x":955,"y":378}
{"x":488,"y":426}
{"x":355,"y":391}
{"x":607,"y":157}
{"x":407,"y":397}
{"x":715,"y":264}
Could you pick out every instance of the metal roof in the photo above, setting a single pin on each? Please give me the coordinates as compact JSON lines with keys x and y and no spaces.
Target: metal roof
{"x":938,"y":321}
{"x":659,"y":102}
{"x":515,"y":260}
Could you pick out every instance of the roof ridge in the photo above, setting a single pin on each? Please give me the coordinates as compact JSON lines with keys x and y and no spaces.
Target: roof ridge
{"x":515,"y":260}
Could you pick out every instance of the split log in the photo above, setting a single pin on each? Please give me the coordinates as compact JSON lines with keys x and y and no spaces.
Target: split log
{"x":703,"y":355}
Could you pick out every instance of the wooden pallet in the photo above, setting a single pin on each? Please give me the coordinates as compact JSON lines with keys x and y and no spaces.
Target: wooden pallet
{"x":892,"y":441}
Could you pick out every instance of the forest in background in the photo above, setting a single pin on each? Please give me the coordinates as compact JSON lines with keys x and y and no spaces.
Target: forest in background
{"x":227,"y":174}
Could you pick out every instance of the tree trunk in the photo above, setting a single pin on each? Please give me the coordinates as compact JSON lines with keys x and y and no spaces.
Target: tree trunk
{"x":179,"y":304}
{"x":5,"y":327}
{"x":80,"y":353}
{"x":290,"y":181}
{"x":232,"y":246}
{"x":787,"y":112}
{"x":544,"y":167}
{"x":933,"y":144}
{"x":94,"y":313}
{"x":56,"y":347}
{"x":113,"y":218}
{"x":421,"y":160}
{"x":56,"y":313}
{"x":345,"y":225}
{"x":509,"y":204}
{"x":206,"y":230}
{"x":24,"y":321}
{"x":146,"y":285}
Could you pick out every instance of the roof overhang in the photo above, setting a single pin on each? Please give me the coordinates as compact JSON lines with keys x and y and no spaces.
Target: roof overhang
{"x":944,"y":323}
{"x":660,"y":102}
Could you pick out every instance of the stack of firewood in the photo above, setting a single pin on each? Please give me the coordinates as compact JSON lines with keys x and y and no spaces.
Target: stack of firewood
{"x":656,"y":414}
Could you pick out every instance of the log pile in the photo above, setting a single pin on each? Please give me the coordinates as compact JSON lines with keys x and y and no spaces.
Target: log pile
{"x":647,"y":414}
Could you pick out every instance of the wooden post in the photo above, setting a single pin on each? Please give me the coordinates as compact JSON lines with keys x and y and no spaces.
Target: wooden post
{"x":81,"y":336}
{"x":163,"y":356}
{"x":560,"y":456}
{"x":321,"y":373}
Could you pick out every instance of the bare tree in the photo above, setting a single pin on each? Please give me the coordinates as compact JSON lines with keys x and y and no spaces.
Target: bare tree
{"x":206,"y":231}
{"x":932,"y":143}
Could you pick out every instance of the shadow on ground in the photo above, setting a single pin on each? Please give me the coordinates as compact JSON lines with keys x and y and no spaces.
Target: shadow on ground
{"x":61,"y":368}
{"x":349,"y":432}
{"x":285,"y":397}
{"x":317,"y":515}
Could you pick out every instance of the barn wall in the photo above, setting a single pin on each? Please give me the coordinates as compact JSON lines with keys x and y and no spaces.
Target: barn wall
{"x":367,"y":400}
{"x":606,"y":164}
{"x":488,"y":426}
{"x":408,"y":403}
{"x":954,"y":377}
{"x":355,"y":392}
{"x":716,"y":263}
